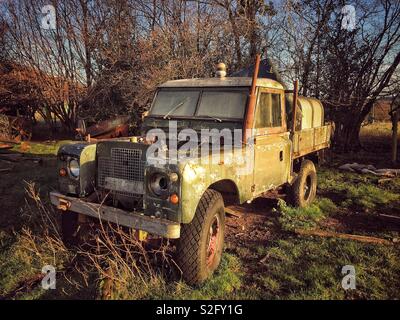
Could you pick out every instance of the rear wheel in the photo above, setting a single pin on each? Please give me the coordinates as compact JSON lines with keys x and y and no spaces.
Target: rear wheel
{"x":200,"y":246}
{"x":304,"y":188}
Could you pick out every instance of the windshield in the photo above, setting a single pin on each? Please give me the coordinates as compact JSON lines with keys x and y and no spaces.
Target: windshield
{"x":175,"y":103}
{"x":228,"y":103}
{"x":222,"y":104}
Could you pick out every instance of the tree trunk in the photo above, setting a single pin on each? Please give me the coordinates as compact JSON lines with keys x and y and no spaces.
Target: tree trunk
{"x":347,"y":133}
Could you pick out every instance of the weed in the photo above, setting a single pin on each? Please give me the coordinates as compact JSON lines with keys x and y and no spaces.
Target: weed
{"x":355,"y":191}
{"x":305,"y":218}
{"x":299,"y":268}
{"x":42,"y":149}
{"x":23,"y":260}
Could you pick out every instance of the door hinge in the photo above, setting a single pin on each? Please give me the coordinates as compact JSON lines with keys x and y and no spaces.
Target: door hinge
{"x":253,"y":188}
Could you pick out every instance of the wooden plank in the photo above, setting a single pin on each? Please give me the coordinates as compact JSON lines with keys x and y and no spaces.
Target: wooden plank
{"x":305,"y":141}
{"x":390,"y":216}
{"x":329,"y":234}
{"x":381,"y":181}
{"x":395,"y":120}
{"x":232,"y":212}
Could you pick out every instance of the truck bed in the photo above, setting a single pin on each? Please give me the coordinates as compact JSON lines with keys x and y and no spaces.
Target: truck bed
{"x":310,"y":140}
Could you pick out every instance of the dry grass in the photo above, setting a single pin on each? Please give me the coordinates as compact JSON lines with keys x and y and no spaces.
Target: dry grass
{"x":124,"y":267}
{"x":109,"y":264}
{"x":377,"y":136}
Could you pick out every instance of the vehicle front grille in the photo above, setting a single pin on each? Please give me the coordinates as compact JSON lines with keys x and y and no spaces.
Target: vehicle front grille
{"x":124,"y":164}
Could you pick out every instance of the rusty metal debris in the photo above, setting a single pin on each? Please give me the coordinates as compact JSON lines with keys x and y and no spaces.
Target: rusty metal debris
{"x":5,"y":146}
{"x":113,"y":128}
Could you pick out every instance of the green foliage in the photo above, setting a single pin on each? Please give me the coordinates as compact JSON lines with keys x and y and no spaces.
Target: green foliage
{"x":354,"y":190}
{"x":227,"y":279}
{"x":224,"y":283}
{"x":369,"y":196}
{"x":26,"y":256}
{"x":42,"y":149}
{"x":299,"y":268}
{"x":304,"y":218}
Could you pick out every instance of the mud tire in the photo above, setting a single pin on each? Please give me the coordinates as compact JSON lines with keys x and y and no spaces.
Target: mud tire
{"x":196,"y":254}
{"x":304,"y":188}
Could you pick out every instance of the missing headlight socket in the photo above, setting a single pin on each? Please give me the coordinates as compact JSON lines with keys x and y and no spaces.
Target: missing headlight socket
{"x":159,"y":184}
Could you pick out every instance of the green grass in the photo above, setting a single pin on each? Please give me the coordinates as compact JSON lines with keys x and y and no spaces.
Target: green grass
{"x":358,"y":191}
{"x":12,"y":190}
{"x":223,"y":285}
{"x":304,"y":218}
{"x":41,"y":148}
{"x":301,"y":268}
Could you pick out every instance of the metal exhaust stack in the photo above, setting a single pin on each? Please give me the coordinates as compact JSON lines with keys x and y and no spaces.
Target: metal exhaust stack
{"x":252,"y":102}
{"x":294,"y":106}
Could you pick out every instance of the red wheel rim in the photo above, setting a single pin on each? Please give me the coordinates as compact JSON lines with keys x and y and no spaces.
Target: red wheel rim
{"x":213,"y":235}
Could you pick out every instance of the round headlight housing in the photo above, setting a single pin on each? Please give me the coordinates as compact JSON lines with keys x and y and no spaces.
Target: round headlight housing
{"x":159,"y":184}
{"x":73,"y":168}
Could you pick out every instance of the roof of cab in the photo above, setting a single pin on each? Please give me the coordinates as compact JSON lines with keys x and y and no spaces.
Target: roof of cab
{"x":221,"y":82}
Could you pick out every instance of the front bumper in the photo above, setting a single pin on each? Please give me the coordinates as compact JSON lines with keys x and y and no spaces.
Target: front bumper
{"x":134,"y":220}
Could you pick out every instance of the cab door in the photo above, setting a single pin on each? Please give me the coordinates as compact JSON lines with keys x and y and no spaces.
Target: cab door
{"x":272,"y":143}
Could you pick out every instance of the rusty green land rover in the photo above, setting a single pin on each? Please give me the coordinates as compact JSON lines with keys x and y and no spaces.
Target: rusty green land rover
{"x":165,"y":185}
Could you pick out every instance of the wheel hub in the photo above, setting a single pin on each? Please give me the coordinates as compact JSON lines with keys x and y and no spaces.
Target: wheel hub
{"x":213,"y":234}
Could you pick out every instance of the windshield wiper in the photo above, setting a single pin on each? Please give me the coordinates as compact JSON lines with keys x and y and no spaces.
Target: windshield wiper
{"x":175,"y":108}
{"x":211,"y":117}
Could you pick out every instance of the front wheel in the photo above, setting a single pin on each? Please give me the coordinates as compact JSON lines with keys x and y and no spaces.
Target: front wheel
{"x":200,"y":246}
{"x":304,"y":188}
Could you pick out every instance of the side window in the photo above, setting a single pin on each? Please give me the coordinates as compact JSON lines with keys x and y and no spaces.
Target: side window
{"x":269,"y":113}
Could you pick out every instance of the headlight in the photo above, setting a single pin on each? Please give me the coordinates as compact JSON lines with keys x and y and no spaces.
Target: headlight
{"x":73,"y":168}
{"x":159,"y":184}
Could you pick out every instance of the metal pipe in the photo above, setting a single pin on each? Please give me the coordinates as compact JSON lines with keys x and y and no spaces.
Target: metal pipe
{"x":294,"y":106}
{"x":252,"y":102}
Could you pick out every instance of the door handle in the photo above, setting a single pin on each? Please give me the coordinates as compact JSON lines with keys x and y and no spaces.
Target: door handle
{"x":281,"y":155}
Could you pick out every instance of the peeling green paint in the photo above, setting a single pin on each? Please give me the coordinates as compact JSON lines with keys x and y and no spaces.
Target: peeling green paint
{"x":199,"y":174}
{"x":87,"y":163}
